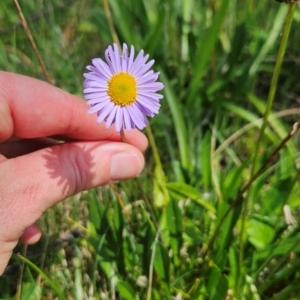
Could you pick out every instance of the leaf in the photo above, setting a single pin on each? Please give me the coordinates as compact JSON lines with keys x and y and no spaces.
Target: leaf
{"x":205,"y":51}
{"x":283,"y":248}
{"x":126,"y":290}
{"x":221,"y":289}
{"x":178,"y":120}
{"x":30,"y":291}
{"x":214,"y":276}
{"x":217,"y":284}
{"x":232,"y":182}
{"x":275,"y":196}
{"x":52,"y":284}
{"x":206,"y":161}
{"x":260,"y":234}
{"x":162,"y":262}
{"x":225,"y":238}
{"x":195,"y":234}
{"x":273,"y":35}
{"x":78,"y":284}
{"x":174,"y":225}
{"x":183,"y":191}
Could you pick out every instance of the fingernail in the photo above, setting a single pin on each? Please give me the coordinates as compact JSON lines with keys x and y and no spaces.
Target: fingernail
{"x":124,"y":166}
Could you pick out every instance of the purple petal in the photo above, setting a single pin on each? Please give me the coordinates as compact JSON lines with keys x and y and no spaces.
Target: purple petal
{"x":105,"y":112}
{"x":94,"y":89}
{"x":96,"y":95}
{"x":127,"y":120}
{"x":144,"y":69}
{"x":111,"y":117}
{"x":117,"y":58}
{"x":97,"y":107}
{"x":109,"y":53}
{"x":100,"y":83}
{"x":153,"y":86}
{"x":130,"y":59}
{"x":102,"y":67}
{"x":97,"y":100}
{"x":137,"y":117}
{"x":119,"y":118}
{"x":135,"y":64}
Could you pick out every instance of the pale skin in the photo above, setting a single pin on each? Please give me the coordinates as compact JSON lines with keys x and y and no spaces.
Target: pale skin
{"x":36,"y":171}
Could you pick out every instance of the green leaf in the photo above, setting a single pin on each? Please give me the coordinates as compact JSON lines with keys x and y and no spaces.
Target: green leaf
{"x":214,"y":276}
{"x":221,"y":289}
{"x":260,"y":234}
{"x":275,"y":196}
{"x":273,"y":35}
{"x":126,"y":290}
{"x":178,"y":120}
{"x":174,"y":222}
{"x":78,"y":284}
{"x":182,"y":190}
{"x":205,"y":51}
{"x":206,"y":161}
{"x":162,"y":262}
{"x":30,"y":291}
{"x":225,"y":235}
{"x":194,"y":233}
{"x":52,"y":284}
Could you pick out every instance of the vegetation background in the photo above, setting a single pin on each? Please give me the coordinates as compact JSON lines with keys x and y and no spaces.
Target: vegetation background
{"x":202,"y":221}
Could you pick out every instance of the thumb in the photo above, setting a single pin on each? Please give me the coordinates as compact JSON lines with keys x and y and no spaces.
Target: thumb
{"x":34,"y":182}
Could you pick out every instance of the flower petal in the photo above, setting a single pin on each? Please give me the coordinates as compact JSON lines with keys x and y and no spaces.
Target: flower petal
{"x":111,"y":117}
{"x":127,"y":122}
{"x":105,"y":112}
{"x":119,"y":118}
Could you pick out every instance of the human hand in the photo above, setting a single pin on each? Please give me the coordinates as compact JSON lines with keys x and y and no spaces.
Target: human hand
{"x":37,"y":171}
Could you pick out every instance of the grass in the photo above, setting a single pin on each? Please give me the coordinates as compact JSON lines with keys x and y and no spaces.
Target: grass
{"x":217,"y":60}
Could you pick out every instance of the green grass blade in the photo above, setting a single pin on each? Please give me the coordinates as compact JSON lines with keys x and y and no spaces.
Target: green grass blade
{"x":206,"y":48}
{"x":53,"y":284}
{"x":178,"y":121}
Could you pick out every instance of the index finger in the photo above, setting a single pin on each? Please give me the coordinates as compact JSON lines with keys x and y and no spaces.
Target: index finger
{"x":30,"y":108}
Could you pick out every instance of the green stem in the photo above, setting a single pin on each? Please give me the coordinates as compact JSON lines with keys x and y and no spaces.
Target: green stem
{"x":270,"y":99}
{"x":281,"y":51}
{"x":158,"y":164}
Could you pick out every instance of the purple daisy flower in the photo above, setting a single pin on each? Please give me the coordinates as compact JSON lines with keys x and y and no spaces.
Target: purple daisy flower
{"x":122,"y":90}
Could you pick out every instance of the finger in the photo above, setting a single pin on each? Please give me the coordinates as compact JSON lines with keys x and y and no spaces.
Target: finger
{"x":32,"y":183}
{"x":31,"y":235}
{"x":15,"y":147}
{"x":31,"y":108}
{"x":2,"y":158}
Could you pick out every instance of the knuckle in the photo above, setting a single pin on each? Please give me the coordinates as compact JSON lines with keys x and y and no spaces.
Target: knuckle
{"x":78,"y":167}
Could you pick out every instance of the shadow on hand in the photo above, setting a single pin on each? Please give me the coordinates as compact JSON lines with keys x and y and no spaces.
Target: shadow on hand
{"x":71,"y":165}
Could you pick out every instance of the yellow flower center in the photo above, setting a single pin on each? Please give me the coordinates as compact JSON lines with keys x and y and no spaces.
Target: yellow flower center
{"x":122,"y":89}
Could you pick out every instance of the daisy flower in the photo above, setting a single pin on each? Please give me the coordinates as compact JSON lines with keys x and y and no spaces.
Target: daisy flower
{"x":122,"y":90}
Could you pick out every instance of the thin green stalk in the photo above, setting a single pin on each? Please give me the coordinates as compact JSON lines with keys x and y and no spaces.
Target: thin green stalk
{"x":274,"y":81}
{"x":31,"y":40}
{"x":158,"y":163}
{"x":52,"y":284}
{"x":270,"y":99}
{"x":111,"y":23}
{"x":20,"y":277}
